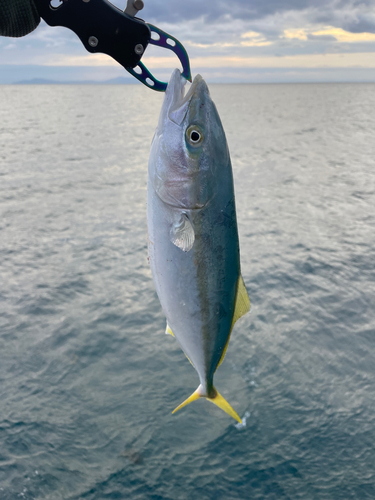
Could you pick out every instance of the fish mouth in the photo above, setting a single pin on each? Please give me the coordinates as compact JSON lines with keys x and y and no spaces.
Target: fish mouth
{"x":193,"y":87}
{"x":178,"y":103}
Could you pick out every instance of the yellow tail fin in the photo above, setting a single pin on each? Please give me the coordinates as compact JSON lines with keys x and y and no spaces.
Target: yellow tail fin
{"x":218,"y":400}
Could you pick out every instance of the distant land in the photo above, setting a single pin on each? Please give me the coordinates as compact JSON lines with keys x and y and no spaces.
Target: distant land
{"x":45,"y":81}
{"x":116,"y":75}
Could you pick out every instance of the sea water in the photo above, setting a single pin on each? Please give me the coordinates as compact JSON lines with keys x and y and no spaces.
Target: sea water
{"x":88,"y":379}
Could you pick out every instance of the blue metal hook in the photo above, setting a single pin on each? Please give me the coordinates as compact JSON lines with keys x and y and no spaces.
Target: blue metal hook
{"x":165,"y":41}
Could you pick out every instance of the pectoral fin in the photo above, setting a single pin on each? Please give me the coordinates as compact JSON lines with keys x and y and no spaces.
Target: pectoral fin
{"x":182,"y":233}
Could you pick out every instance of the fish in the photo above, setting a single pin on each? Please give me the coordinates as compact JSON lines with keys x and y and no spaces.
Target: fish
{"x":193,"y":244}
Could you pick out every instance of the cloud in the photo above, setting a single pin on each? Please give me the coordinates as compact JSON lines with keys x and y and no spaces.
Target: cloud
{"x":174,"y":10}
{"x":81,"y":60}
{"x":350,"y":15}
{"x":321,"y":38}
{"x":227,"y":35}
{"x":343,"y":36}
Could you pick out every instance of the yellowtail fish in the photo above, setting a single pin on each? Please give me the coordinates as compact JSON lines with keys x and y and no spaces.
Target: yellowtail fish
{"x":192,"y":229}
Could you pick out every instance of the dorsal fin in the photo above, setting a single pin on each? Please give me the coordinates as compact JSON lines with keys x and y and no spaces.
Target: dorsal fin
{"x":241,"y":307}
{"x":242,"y":301}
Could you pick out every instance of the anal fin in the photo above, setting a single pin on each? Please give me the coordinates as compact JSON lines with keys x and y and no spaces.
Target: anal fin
{"x":168,"y":330}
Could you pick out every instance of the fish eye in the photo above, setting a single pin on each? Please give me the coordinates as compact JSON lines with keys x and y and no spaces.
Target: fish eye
{"x":194,"y":135}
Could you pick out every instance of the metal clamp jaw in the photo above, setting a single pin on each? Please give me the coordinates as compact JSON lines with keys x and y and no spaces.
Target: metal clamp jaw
{"x":104,"y":28}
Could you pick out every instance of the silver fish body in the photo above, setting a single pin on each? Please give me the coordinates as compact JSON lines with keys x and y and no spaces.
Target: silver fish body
{"x":192,"y":231}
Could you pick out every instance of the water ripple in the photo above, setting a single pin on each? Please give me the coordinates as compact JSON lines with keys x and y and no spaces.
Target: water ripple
{"x":88,"y":379}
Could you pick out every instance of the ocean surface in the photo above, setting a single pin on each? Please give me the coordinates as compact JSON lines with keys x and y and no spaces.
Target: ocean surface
{"x":88,"y":379}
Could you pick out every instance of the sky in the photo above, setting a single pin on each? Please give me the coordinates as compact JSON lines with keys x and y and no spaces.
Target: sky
{"x":241,"y":41}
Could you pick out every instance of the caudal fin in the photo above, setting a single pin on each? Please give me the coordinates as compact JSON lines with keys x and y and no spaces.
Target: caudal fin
{"x":218,"y":400}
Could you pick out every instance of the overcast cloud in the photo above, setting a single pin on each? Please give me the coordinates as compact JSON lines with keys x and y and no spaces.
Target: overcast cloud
{"x":237,"y":40}
{"x":351,"y":15}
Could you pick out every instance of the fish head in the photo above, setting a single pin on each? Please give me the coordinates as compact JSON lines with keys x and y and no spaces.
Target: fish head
{"x":189,"y":147}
